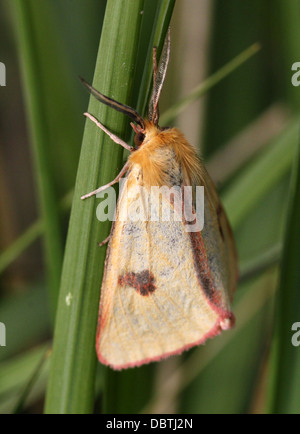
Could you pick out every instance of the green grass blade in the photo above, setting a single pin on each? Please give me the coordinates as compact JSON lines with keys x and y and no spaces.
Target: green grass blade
{"x":207,"y":84}
{"x":41,"y":145}
{"x":72,"y":377}
{"x":14,"y":375}
{"x":284,"y":373}
{"x":12,"y":252}
{"x":26,"y":317}
{"x":260,"y":175}
{"x":9,"y":255}
{"x":254,"y":267}
{"x":164,"y":11}
{"x":30,"y":382}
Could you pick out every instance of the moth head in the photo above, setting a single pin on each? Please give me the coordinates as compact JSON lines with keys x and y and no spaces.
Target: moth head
{"x":140,"y":134}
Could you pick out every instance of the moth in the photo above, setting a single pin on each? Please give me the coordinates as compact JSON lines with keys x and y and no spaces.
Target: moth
{"x":165,"y":288}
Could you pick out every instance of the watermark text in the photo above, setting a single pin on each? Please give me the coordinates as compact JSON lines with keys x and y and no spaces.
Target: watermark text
{"x":296,"y":76}
{"x":296,"y":335}
{"x":2,"y":74}
{"x":2,"y":335}
{"x":156,"y":204}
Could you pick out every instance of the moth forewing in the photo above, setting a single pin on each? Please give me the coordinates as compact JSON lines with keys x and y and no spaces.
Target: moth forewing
{"x":223,"y":232}
{"x":151,"y":299}
{"x":166,"y":286}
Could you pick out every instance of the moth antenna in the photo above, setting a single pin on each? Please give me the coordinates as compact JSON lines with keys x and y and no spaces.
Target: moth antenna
{"x":125,"y":109}
{"x":155,"y":111}
{"x":159,"y":75}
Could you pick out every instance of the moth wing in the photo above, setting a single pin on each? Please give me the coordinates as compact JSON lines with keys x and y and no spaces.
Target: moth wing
{"x":218,"y":239}
{"x":155,"y":299}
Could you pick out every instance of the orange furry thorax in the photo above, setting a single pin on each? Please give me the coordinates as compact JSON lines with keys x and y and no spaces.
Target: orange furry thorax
{"x":165,"y":156}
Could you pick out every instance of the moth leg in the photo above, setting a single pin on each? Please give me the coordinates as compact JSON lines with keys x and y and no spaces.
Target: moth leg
{"x":104,"y":241}
{"x":115,"y":138}
{"x":103,"y":187}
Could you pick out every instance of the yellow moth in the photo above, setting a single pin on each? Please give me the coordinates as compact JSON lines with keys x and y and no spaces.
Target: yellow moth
{"x":168,"y":282}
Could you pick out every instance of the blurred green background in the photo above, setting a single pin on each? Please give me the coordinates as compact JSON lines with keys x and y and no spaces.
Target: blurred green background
{"x":245,"y":126}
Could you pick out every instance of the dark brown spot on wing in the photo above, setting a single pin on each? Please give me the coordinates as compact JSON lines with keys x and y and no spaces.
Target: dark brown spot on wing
{"x":143,"y":282}
{"x":202,"y":269}
{"x":219,"y":215}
